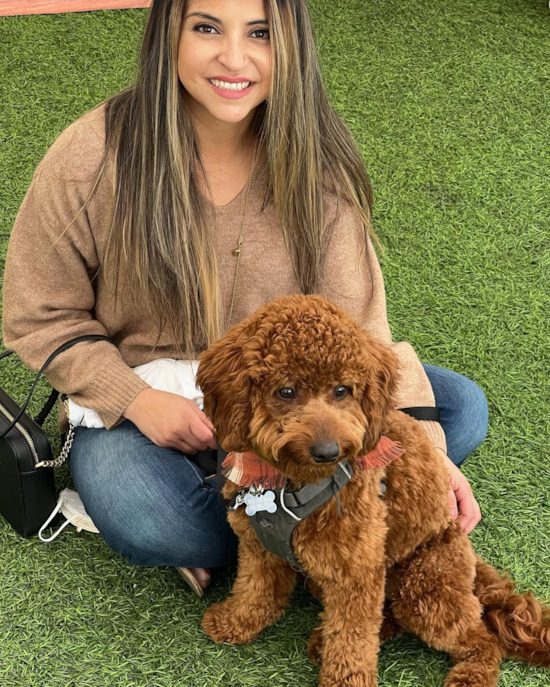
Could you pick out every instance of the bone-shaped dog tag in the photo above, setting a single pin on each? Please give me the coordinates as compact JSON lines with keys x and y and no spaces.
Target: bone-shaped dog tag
{"x":255,"y":504}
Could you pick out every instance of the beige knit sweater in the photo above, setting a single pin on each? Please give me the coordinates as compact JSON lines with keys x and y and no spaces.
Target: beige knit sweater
{"x":49,"y":298}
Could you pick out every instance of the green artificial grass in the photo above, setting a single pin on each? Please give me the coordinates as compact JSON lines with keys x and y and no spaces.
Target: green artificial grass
{"x":449,"y":103}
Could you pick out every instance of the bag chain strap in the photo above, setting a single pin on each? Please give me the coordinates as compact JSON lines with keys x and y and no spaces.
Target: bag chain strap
{"x":66,"y":446}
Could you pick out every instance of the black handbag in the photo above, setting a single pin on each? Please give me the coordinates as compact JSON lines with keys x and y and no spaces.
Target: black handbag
{"x":27,"y":485}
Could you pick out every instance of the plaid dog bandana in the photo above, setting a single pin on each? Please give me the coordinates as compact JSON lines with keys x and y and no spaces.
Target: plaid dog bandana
{"x":248,"y":468}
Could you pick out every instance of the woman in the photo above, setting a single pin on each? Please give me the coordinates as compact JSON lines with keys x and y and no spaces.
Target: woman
{"x":152,"y":202}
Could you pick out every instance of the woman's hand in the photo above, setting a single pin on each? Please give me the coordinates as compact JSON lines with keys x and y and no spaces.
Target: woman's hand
{"x":171,"y":421}
{"x":461,"y":497}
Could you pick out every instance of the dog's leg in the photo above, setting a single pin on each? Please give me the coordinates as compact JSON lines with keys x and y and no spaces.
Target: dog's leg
{"x":435,"y":600}
{"x":348,"y":638}
{"x":315,"y":642}
{"x":390,"y":628}
{"x":260,"y":594}
{"x":315,"y":589}
{"x":315,"y":645}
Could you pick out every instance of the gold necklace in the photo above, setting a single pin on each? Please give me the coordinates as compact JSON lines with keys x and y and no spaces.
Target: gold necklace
{"x":238,"y":250}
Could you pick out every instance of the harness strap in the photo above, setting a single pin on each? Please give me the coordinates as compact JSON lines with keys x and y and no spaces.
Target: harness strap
{"x":220,"y":477}
{"x":274,"y":530}
{"x":318,"y":493}
{"x":422,"y":412}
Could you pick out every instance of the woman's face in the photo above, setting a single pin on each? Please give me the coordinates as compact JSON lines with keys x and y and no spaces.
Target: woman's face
{"x":225,"y":44}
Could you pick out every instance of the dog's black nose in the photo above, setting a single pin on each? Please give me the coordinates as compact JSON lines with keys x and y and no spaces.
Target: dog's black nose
{"x":325,"y":453}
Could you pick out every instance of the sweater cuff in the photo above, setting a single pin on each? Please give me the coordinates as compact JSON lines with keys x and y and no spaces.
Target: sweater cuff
{"x":112,"y":390}
{"x":435,"y":431}
{"x":119,"y":385}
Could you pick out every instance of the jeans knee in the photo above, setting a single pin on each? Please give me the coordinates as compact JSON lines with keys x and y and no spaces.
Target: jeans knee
{"x":175,"y":532}
{"x":150,"y":504}
{"x":477,"y":410}
{"x":464,"y":410}
{"x":469,"y":423}
{"x":149,"y":545}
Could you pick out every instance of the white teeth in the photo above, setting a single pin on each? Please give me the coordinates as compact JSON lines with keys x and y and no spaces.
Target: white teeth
{"x":230,"y":86}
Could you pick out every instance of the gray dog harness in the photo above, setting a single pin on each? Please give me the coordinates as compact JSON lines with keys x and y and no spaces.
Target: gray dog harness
{"x":282,"y":510}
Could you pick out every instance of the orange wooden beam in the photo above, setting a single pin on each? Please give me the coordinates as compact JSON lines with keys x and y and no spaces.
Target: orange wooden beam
{"x":10,"y":8}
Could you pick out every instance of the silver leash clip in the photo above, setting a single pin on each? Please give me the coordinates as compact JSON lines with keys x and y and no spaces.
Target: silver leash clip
{"x":240,"y":498}
{"x":239,"y":501}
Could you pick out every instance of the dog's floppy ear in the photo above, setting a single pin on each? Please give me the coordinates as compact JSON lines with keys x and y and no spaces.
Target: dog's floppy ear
{"x":222,"y":376}
{"x":382,"y":376}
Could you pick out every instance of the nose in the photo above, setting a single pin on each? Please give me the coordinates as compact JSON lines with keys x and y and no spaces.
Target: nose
{"x":233,"y":54}
{"x":325,"y":452}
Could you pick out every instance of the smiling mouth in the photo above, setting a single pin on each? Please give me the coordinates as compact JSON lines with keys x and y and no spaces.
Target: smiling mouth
{"x":241,"y":86}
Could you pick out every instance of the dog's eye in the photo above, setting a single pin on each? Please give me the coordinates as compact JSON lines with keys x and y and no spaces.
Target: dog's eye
{"x":341,"y":391}
{"x":286,"y":394}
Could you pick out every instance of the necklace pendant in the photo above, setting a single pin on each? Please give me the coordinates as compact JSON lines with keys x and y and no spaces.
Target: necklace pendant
{"x":236,"y":252}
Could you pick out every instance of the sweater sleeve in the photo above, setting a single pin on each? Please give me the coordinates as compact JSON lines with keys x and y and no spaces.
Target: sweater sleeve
{"x":48,"y":295}
{"x":353,"y":280}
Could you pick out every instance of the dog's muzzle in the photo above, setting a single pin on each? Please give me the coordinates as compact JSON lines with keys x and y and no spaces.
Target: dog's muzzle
{"x":325,"y":452}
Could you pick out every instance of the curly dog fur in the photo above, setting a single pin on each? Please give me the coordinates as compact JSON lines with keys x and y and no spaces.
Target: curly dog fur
{"x":380,"y":566}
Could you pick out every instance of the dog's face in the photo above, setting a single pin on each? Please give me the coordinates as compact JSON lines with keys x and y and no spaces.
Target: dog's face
{"x":300,"y":384}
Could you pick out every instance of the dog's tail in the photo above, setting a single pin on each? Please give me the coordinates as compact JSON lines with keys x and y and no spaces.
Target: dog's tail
{"x":521,"y":623}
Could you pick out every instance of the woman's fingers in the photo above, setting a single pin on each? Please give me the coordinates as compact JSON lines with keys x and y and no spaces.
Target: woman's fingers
{"x":203,"y":418}
{"x":197,"y":432}
{"x":186,"y":448}
{"x":201,"y":435}
{"x":453,"y":506}
{"x":470,"y":512}
{"x":471,"y":516}
{"x":208,"y":422}
{"x":466,"y":504}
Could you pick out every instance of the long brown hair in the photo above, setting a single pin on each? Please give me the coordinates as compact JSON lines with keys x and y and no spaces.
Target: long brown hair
{"x":159,"y":235}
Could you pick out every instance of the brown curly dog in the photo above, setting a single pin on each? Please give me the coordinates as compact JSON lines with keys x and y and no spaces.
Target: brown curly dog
{"x":404,"y":548}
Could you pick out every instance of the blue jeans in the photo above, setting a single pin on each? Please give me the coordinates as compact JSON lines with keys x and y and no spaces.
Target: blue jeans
{"x":154,"y":507}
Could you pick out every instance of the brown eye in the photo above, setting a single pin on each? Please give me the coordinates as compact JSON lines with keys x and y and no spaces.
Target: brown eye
{"x":286,"y":394}
{"x":341,"y":391}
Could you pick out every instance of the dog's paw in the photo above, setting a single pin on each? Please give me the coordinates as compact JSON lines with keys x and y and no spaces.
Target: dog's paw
{"x":315,"y":646}
{"x":467,"y":675}
{"x":389,"y":628}
{"x":315,"y":589}
{"x":339,"y":678}
{"x":229,"y":622}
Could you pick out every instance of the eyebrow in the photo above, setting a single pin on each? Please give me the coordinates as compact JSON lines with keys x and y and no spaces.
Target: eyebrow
{"x":209,"y":16}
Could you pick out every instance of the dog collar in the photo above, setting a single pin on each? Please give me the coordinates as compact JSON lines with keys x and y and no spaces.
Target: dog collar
{"x":247,"y":468}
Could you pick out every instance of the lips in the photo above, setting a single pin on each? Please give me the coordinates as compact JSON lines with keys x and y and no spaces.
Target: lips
{"x":231,"y":79}
{"x":250,"y":83}
{"x":231,"y":93}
